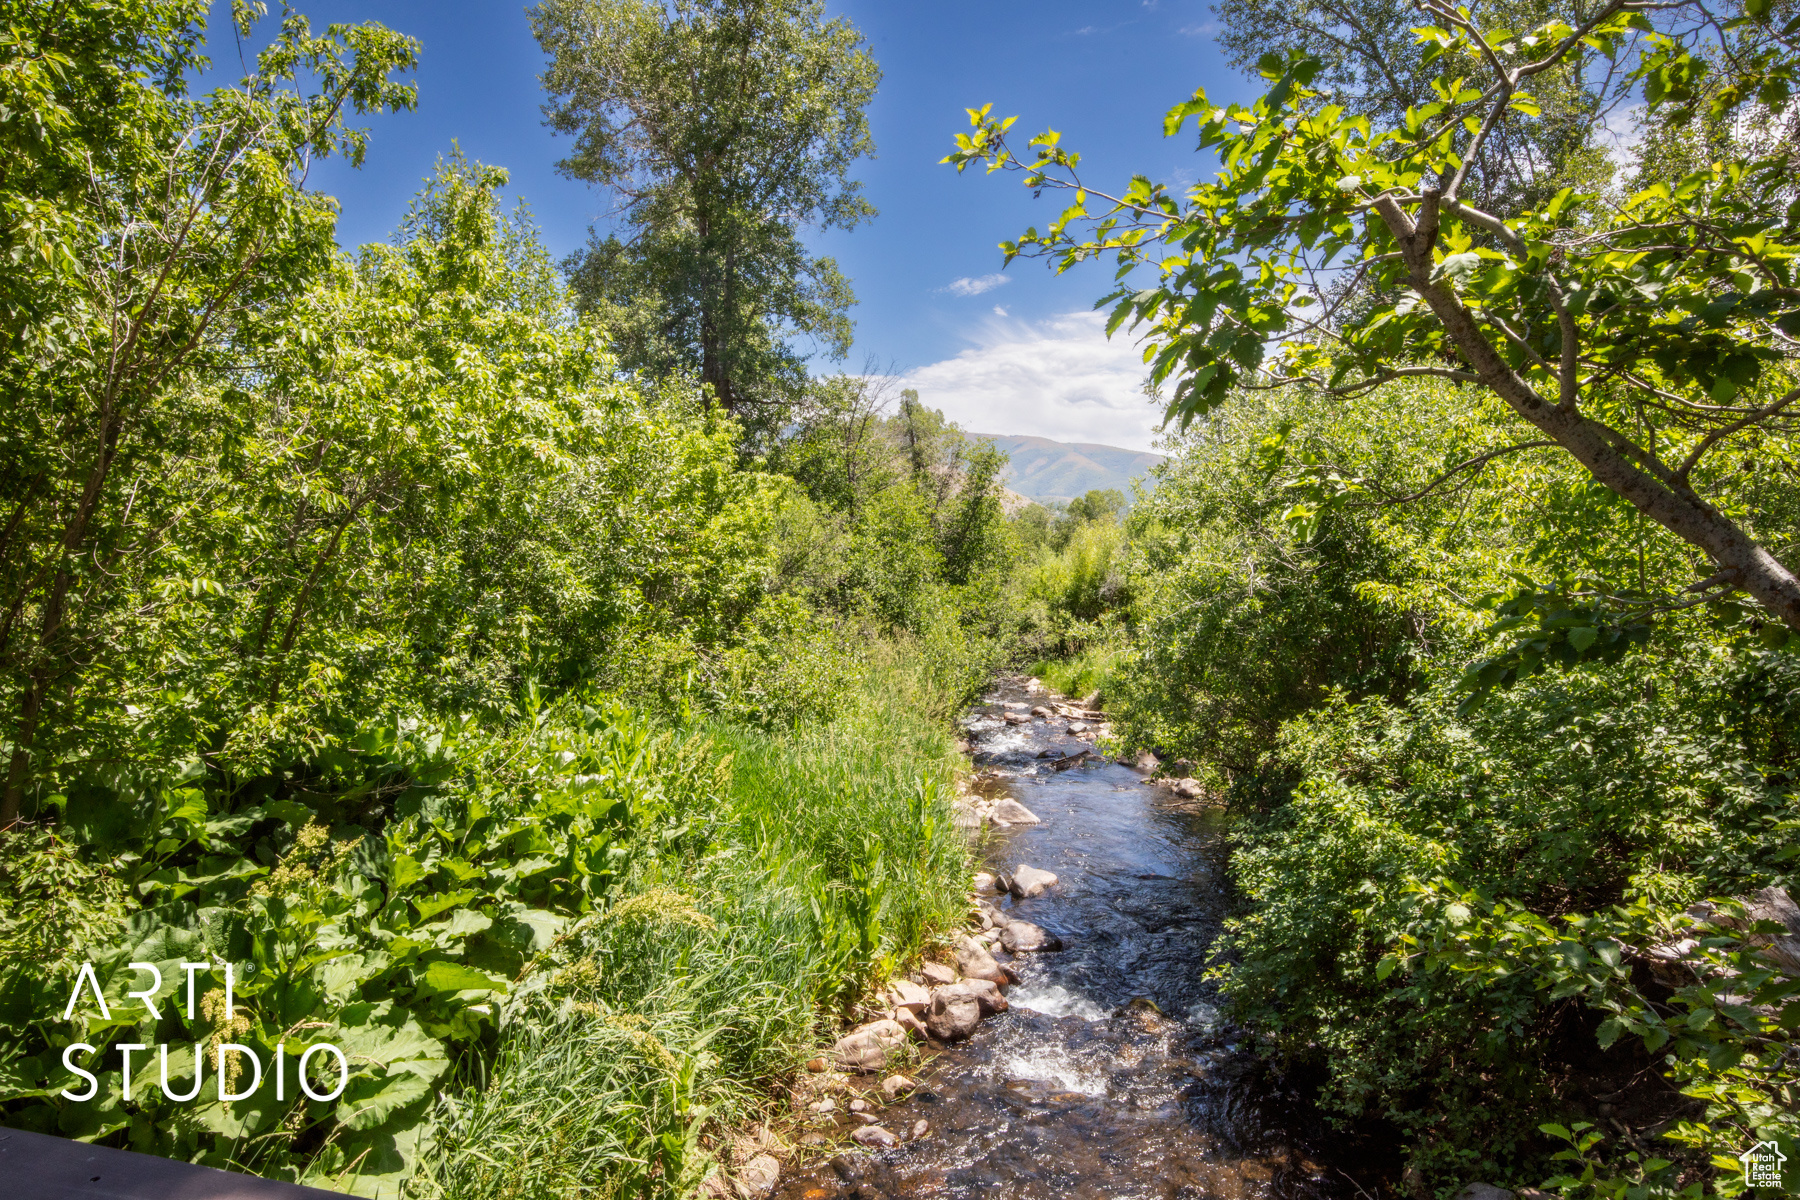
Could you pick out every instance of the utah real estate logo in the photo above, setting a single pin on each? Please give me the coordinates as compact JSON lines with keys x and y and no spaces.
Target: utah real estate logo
{"x":1762,"y":1165}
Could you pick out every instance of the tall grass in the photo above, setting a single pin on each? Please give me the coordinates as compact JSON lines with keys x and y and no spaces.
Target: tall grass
{"x":628,"y":1053}
{"x":1082,"y":674}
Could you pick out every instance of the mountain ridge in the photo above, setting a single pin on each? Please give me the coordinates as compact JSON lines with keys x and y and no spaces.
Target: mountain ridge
{"x":1044,"y":469}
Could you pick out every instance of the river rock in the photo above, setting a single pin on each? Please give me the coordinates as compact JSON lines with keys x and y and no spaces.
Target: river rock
{"x":1143,"y":761}
{"x":757,"y":1177}
{"x":1038,"y":710}
{"x":894,"y":1085}
{"x":965,"y":813}
{"x":1008,"y":811}
{"x":984,"y":884}
{"x":874,"y":1135}
{"x":935,"y":973}
{"x":1077,"y":728}
{"x":920,"y":1128}
{"x":1484,"y":1191}
{"x":866,"y":1047}
{"x":1022,"y":937}
{"x":986,"y":992}
{"x":1189,"y":789}
{"x":1030,"y":881}
{"x":1013,"y":718}
{"x":904,"y":993}
{"x":953,"y":1015}
{"x":974,"y":961}
{"x":908,"y":1020}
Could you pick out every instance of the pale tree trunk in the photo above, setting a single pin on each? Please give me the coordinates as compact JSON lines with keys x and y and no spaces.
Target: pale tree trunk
{"x":1657,"y":493}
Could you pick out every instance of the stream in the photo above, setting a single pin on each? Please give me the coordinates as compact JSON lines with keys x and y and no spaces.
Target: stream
{"x":1112,"y":1076}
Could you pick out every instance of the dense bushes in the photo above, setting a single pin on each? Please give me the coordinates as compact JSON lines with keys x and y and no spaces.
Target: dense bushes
{"x":667,"y":913}
{"x":488,"y":711}
{"x":1453,"y":910}
{"x":1388,"y":891}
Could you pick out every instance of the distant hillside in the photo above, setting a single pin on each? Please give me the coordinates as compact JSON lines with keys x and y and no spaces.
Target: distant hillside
{"x":1045,"y":470}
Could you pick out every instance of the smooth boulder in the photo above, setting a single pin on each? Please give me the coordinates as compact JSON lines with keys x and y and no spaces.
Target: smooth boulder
{"x":974,"y":961}
{"x":953,"y":1015}
{"x":910,"y":1021}
{"x":866,"y":1047}
{"x":1010,"y":812}
{"x":935,"y":973}
{"x":1022,"y":937}
{"x":895,"y":1085}
{"x":874,"y":1135}
{"x":986,"y":993}
{"x":1484,"y":1191}
{"x":758,"y":1177}
{"x":1030,"y":881}
{"x":904,"y":993}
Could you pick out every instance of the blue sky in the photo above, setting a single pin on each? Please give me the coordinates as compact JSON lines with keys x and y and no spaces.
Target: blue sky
{"x":1015,"y":352}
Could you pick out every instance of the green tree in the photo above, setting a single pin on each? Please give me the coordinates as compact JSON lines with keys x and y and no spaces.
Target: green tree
{"x":1646,"y":339}
{"x":151,"y":239}
{"x":724,"y":128}
{"x":1373,"y":63}
{"x":974,"y":537}
{"x":1097,"y":505}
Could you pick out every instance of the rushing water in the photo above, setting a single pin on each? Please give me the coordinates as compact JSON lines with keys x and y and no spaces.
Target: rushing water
{"x":1113,"y":1076}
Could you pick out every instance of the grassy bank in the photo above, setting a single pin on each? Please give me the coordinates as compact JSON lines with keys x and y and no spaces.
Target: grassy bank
{"x":661,"y":1028}
{"x":567,"y":961}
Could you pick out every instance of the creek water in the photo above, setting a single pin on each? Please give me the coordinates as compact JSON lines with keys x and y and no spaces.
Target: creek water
{"x":1113,"y":1075}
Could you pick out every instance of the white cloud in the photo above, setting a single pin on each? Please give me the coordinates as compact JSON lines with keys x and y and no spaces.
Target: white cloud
{"x":974,"y":286}
{"x":1059,"y":378}
{"x":1204,"y":29}
{"x":1622,"y":133}
{"x":999,"y":311}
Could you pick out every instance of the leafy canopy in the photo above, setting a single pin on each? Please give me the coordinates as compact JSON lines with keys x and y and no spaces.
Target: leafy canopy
{"x":1643,"y":335}
{"x":724,"y":128}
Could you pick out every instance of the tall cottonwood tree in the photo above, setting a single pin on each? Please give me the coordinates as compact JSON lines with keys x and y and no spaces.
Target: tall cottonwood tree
{"x":724,"y":128}
{"x":1656,"y":339}
{"x":151,"y":238}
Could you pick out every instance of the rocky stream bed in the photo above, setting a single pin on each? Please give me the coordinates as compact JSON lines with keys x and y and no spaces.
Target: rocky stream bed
{"x":1095,"y":1065}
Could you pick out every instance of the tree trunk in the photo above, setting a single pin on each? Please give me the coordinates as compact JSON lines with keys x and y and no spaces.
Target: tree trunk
{"x":74,"y":533}
{"x":1674,"y":506}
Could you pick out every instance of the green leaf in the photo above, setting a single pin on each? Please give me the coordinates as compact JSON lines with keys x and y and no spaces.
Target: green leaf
{"x":455,"y":977}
